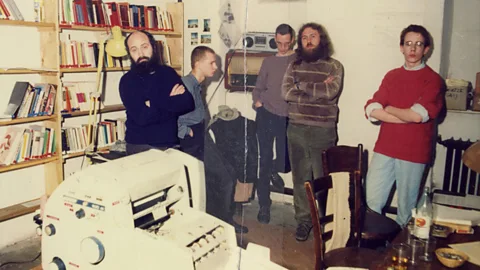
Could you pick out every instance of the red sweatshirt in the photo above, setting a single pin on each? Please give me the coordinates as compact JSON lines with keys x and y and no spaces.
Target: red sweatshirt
{"x":403,"y":88}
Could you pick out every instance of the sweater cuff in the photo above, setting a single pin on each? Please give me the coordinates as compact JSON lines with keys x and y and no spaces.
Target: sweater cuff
{"x":370,"y":108}
{"x":419,"y":109}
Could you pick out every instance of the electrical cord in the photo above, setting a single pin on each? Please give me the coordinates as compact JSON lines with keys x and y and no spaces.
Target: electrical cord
{"x":21,"y":262}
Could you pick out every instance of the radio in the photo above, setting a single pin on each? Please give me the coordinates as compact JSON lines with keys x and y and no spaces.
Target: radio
{"x":236,"y":74}
{"x":260,"y":41}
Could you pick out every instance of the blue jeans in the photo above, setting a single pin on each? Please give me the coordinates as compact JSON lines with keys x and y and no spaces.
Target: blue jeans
{"x":382,"y":173}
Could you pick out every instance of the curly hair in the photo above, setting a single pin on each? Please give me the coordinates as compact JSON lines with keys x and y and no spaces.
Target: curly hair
{"x":325,"y":46}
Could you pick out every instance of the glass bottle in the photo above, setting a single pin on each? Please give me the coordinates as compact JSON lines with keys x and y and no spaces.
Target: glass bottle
{"x":424,"y":216}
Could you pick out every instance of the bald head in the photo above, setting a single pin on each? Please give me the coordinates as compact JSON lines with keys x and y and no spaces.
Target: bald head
{"x":139,"y":47}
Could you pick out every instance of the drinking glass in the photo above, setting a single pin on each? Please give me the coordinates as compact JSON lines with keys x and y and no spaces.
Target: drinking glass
{"x":430,"y":245}
{"x":400,"y":256}
{"x":417,"y":249}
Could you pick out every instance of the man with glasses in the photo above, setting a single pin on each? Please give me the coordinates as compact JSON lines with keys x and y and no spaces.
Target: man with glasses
{"x":407,"y":103}
{"x":271,"y":119}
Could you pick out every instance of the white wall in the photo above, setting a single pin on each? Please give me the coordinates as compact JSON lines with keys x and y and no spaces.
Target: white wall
{"x":460,"y":60}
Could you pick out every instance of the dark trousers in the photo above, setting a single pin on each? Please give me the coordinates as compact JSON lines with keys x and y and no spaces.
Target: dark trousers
{"x":270,"y":128}
{"x":219,"y":183}
{"x":194,"y":146}
{"x":305,"y":147}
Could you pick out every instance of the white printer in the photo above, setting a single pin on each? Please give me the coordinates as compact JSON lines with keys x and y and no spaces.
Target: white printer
{"x":145,"y":211}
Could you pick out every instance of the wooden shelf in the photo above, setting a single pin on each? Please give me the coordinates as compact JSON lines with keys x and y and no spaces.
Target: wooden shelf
{"x":25,"y":71}
{"x":79,"y":154}
{"x":26,"y":120}
{"x":107,"y":108}
{"x":26,"y":23}
{"x":27,"y":164}
{"x":109,"y":69}
{"x":104,"y":29}
{"x":93,"y":69}
{"x":20,"y":209}
{"x":463,"y":112}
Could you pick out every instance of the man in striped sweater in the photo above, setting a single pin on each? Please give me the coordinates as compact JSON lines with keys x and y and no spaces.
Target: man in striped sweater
{"x":311,"y":86}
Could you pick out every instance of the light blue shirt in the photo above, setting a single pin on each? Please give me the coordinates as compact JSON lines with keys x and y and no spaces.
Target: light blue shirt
{"x":196,"y":116}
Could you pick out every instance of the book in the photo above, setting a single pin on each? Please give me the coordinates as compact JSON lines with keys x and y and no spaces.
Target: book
{"x":16,"y":99}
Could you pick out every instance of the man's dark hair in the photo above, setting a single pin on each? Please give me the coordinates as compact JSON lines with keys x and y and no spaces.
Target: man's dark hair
{"x":325,"y":49}
{"x":417,"y":29}
{"x":198,"y":53}
{"x":284,"y":29}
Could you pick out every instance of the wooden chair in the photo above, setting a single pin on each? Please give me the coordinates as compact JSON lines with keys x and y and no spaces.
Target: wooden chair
{"x":351,"y":255}
{"x":376,"y":229}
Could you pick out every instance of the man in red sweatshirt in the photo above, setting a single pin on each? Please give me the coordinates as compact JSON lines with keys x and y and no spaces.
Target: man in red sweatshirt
{"x":407,"y":103}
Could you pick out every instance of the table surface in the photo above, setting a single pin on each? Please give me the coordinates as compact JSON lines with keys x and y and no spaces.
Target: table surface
{"x":441,"y":242}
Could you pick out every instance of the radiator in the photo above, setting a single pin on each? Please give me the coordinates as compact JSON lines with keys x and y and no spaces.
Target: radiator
{"x":458,"y":177}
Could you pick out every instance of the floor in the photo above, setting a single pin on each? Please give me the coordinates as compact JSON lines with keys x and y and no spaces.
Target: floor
{"x":279,"y":236}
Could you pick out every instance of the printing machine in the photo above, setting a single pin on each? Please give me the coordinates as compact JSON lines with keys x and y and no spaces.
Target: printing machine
{"x":145,"y":211}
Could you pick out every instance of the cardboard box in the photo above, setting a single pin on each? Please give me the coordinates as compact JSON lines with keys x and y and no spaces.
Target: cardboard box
{"x":456,"y":95}
{"x":476,"y":95}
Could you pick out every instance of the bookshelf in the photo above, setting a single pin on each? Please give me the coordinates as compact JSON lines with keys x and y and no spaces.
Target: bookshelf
{"x":46,"y":72}
{"x":50,"y":71}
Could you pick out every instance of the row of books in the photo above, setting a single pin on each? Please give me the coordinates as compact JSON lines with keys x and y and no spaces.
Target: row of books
{"x":123,"y":14}
{"x":9,"y":11}
{"x":23,"y":144}
{"x":29,"y":100}
{"x":75,"y":139}
{"x":84,"y":54}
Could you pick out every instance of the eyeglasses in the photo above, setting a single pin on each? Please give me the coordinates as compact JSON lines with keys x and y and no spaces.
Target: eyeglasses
{"x":412,"y":44}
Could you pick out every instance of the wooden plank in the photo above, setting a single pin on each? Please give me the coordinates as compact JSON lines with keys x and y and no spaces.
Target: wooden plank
{"x":26,"y":71}
{"x":26,"y":120}
{"x":108,"y":108}
{"x":110,"y":69}
{"x":102,"y":29}
{"x":27,"y":164}
{"x":79,"y":154}
{"x":20,"y":209}
{"x":28,"y":24}
{"x":175,"y":43}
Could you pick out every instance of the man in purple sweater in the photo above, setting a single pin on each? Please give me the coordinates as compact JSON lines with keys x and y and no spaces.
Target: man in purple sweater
{"x":271,"y":118}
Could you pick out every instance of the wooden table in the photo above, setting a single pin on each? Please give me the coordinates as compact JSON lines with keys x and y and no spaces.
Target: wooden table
{"x":441,"y":242}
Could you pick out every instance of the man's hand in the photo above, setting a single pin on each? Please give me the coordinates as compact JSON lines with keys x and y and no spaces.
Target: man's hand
{"x":329,"y":79}
{"x":147,"y":103}
{"x":258,"y":104}
{"x":178,"y":89}
{"x":191,"y":133}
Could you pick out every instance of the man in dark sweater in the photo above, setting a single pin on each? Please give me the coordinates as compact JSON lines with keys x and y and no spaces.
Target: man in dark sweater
{"x":311,"y":86}
{"x":153,"y":95}
{"x":407,"y":103}
{"x":271,"y":118}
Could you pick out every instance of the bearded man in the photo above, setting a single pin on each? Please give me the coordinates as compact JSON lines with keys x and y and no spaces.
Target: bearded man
{"x":311,"y":86}
{"x":153,"y":95}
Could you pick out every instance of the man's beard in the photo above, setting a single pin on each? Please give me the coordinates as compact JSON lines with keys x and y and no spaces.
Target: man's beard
{"x":144,"y":66}
{"x":313,"y":54}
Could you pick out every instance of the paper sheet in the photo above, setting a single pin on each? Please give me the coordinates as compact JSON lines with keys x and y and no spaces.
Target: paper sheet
{"x":455,"y":215}
{"x":472,"y":249}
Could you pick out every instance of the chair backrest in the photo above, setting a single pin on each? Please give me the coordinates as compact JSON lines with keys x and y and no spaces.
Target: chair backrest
{"x":342,"y":158}
{"x":325,"y":183}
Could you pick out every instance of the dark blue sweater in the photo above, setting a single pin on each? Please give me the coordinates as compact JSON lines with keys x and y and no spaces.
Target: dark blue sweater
{"x":155,"y":125}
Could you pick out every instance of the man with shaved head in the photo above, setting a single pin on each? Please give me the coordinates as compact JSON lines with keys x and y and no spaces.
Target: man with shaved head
{"x":153,"y":95}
